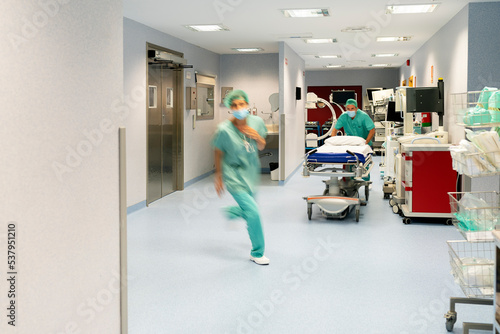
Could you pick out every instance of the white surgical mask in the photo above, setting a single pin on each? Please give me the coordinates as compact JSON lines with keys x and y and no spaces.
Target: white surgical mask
{"x":241,"y":113}
{"x":351,"y":113}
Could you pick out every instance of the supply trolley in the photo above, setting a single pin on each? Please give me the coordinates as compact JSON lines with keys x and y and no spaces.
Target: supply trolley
{"x":472,"y":261}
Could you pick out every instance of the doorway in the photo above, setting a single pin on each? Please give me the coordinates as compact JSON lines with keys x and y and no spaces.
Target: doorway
{"x":164,"y":126}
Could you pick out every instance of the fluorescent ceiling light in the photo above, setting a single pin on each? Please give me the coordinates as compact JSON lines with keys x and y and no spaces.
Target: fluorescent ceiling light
{"x":356,"y":29}
{"x":320,"y":40}
{"x":207,"y":27}
{"x":311,"y":12}
{"x":333,"y":66}
{"x":411,"y":9}
{"x":385,"y":55}
{"x":379,"y":65}
{"x":247,"y":49}
{"x":329,"y":56}
{"x":394,"y":39}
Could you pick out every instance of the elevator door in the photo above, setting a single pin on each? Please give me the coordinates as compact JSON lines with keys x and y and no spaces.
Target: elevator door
{"x":161,"y":126}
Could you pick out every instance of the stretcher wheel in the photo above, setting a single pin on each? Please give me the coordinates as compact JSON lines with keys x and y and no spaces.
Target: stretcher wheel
{"x":367,"y":192}
{"x":448,"y":222}
{"x":357,"y":215}
{"x":451,"y":318}
{"x":395,"y":209}
{"x":406,"y":221}
{"x":309,"y":212}
{"x":387,"y":196}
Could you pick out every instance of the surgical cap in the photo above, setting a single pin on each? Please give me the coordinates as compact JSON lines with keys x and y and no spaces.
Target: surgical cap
{"x":351,"y":102}
{"x":235,"y":95}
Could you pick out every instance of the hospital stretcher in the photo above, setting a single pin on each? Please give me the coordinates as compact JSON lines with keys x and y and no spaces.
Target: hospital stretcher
{"x":346,"y":166}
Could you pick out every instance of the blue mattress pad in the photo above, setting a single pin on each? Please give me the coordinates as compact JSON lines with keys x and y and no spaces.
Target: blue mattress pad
{"x":335,"y":158}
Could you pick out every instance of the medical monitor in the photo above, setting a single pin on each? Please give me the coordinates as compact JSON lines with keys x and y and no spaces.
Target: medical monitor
{"x":369,"y":93}
{"x":392,"y":114}
{"x":423,"y":99}
{"x":380,"y":96}
{"x":341,"y":96}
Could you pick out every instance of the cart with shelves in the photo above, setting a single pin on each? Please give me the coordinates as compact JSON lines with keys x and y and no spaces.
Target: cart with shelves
{"x":472,"y":261}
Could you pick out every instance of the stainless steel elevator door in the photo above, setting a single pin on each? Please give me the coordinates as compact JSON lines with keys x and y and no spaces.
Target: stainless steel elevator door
{"x":161,"y":121}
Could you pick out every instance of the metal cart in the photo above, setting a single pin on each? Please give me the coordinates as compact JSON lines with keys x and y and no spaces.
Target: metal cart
{"x":472,"y":260}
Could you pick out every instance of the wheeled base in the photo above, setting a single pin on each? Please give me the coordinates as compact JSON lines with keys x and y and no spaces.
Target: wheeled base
{"x":451,"y":316}
{"x":334,"y":206}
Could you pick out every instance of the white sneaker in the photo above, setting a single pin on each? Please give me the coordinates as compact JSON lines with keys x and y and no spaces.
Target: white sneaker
{"x":260,"y":260}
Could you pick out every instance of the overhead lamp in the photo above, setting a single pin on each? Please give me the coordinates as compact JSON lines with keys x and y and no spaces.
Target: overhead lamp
{"x":333,"y":66}
{"x":308,"y":12}
{"x":410,"y":9}
{"x":357,"y":29}
{"x":320,"y":40}
{"x":329,"y":56}
{"x":207,"y":27}
{"x":384,"y":55}
{"x":247,"y":49}
{"x":393,"y":39}
{"x":379,"y":65}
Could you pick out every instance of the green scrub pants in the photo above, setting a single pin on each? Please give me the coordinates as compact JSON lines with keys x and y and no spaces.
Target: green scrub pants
{"x":249,"y":211}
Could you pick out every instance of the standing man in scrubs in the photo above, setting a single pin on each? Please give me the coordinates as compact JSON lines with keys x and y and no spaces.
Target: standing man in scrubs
{"x":355,"y":122}
{"x":237,"y":166}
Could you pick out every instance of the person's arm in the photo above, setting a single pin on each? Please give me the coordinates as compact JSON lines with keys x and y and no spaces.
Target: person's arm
{"x":371,"y":134}
{"x":253,"y":134}
{"x":219,"y":184}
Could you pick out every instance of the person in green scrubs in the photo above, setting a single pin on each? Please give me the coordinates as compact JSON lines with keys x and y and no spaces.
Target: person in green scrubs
{"x":237,"y":166}
{"x":355,"y":122}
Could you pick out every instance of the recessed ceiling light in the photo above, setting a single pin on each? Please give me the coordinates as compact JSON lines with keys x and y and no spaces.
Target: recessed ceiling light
{"x":333,"y":66}
{"x":247,"y":49}
{"x":356,"y":29}
{"x":379,"y":65}
{"x":410,"y":9}
{"x":207,"y":27}
{"x":329,"y":56}
{"x":320,"y":40}
{"x":394,"y":39}
{"x":310,"y":12}
{"x":385,"y":55}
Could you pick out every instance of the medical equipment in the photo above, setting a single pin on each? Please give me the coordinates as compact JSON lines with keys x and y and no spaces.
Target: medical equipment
{"x":346,"y":165}
{"x":312,"y":101}
{"x":427,"y":167}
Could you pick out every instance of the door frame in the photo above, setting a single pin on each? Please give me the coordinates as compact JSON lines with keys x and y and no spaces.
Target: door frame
{"x":178,"y":138}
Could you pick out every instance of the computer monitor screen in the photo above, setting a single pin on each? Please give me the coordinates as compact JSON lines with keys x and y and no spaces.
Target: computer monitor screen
{"x":392,"y":114}
{"x":341,"y":96}
{"x":369,"y":92}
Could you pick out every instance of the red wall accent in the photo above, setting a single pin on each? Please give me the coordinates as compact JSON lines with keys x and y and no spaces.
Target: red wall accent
{"x":322,"y":115}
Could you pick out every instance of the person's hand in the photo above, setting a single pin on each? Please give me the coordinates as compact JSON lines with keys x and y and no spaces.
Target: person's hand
{"x":249,"y":132}
{"x":219,"y":184}
{"x":252,"y":134}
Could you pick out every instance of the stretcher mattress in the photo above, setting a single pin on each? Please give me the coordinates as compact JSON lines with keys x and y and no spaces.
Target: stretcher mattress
{"x":338,"y":154}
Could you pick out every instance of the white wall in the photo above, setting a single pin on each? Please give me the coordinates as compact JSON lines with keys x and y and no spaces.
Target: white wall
{"x":62,"y":74}
{"x":198,"y":157}
{"x":447,"y":52}
{"x":292,"y":74}
{"x":257,"y":75}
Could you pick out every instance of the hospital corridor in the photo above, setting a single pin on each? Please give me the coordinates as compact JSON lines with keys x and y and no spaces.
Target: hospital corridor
{"x":189,"y":269}
{"x":250,"y":167}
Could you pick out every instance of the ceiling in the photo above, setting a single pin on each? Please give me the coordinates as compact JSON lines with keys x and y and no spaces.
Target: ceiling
{"x":260,"y":23}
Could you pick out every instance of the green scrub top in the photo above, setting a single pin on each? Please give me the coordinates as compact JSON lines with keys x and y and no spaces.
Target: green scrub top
{"x":359,"y":126}
{"x":240,"y":163}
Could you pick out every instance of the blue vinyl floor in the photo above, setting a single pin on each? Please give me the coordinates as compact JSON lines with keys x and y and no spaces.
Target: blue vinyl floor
{"x":189,"y":270}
